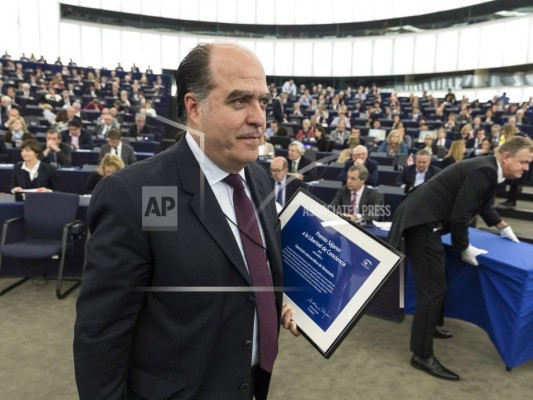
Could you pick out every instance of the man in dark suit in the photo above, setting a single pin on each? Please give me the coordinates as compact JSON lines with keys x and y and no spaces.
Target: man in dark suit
{"x":55,"y":152}
{"x":360,"y":156}
{"x":102,"y":129}
{"x":77,"y":137}
{"x":284,"y":185}
{"x":421,"y":171}
{"x":140,"y":128}
{"x":447,"y":203}
{"x":278,"y":108}
{"x":170,"y":221}
{"x":116,"y":146}
{"x":356,"y":200}
{"x":298,"y":164}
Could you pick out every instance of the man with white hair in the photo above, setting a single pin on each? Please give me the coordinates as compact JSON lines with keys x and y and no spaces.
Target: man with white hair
{"x":297,"y":162}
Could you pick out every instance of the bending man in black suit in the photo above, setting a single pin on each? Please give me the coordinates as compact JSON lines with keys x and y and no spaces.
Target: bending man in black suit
{"x":284,"y":185}
{"x":356,"y":200}
{"x":421,"y":171}
{"x":170,"y":222}
{"x":447,"y":203}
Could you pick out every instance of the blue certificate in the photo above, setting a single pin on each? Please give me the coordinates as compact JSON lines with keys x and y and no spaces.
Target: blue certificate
{"x":331,"y":268}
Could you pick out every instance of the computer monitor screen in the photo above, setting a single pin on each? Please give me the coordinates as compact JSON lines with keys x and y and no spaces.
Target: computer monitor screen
{"x":379,"y":134}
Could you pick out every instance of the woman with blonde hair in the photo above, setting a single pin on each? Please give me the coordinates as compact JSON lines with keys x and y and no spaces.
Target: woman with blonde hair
{"x":508,"y":131}
{"x":394,"y":144}
{"x":455,"y":154}
{"x":17,"y":132}
{"x":110,"y":164}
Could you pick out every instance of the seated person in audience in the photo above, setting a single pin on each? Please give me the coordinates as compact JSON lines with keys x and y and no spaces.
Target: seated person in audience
{"x":297,"y":161}
{"x":150,"y":110}
{"x":467,"y":132}
{"x":475,"y":142}
{"x":455,"y":154}
{"x":306,"y":132}
{"x":76,"y":137}
{"x":54,"y":152}
{"x":31,"y":173}
{"x":108,"y":166}
{"x":102,"y":129}
{"x":341,"y":117}
{"x":140,"y":128}
{"x":340,"y":134}
{"x":94,"y":105}
{"x":266,"y":150}
{"x":296,"y":111}
{"x":484,"y":149}
{"x":355,"y":200}
{"x":451,"y":124}
{"x":393,"y":144}
{"x":4,"y":155}
{"x":117,"y":118}
{"x":321,"y":142}
{"x":495,"y":132}
{"x":12,"y":114}
{"x":285,"y":185}
{"x":442,"y":140}
{"x":355,"y":133}
{"x":17,"y":132}
{"x":439,"y":114}
{"x":416,"y":115}
{"x":522,"y":118}
{"x":476,"y":123}
{"x":429,"y":145}
{"x":464,"y":116}
{"x":272,"y":129}
{"x":418,"y":173}
{"x":346,"y":154}
{"x":116,"y":146}
{"x":360,"y":156}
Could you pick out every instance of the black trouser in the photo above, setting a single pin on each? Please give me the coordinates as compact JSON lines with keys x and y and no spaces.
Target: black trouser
{"x":425,"y":251}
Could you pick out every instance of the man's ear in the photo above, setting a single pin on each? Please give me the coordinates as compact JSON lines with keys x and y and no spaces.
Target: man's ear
{"x":192,"y":107}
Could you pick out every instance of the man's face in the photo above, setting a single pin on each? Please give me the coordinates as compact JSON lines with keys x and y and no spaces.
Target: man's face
{"x":360,"y":153}
{"x":355,"y":133}
{"x":52,"y":138}
{"x":293,"y":153}
{"x":140,"y":123}
{"x":113,"y":142}
{"x":108,"y":119}
{"x":495,"y":132}
{"x":278,"y":170}
{"x":353,"y":182}
{"x":514,"y":166}
{"x":233,"y":116}
{"x":74,"y":131}
{"x":422,"y":162}
{"x":428,"y":140}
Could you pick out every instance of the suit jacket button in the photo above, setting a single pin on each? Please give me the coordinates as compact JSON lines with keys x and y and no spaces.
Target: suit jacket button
{"x":248,"y":344}
{"x":244,"y":387}
{"x":250,"y":301}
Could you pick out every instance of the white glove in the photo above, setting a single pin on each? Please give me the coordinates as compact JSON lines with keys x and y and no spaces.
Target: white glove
{"x":508,"y":233}
{"x":469,"y":255}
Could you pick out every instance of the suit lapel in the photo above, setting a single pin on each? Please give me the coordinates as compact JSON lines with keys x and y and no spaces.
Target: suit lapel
{"x":205,"y":207}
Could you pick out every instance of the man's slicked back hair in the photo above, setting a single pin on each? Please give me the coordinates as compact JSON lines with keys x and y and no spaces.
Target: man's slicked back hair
{"x":194,"y":76}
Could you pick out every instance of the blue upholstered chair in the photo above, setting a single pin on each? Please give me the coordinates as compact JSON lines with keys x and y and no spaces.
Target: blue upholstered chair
{"x":45,"y":232}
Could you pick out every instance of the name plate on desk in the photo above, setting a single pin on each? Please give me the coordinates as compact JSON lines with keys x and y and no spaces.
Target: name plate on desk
{"x":332,"y":269}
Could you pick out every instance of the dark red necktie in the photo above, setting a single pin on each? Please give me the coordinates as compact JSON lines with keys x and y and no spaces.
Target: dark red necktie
{"x":259,"y":272}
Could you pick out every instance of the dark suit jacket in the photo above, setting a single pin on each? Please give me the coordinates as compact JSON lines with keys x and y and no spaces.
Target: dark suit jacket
{"x":155,"y":345}
{"x":309,"y":175}
{"x":408,"y":176}
{"x":85,"y":141}
{"x":367,"y":206}
{"x":63,"y":157}
{"x":291,"y":186}
{"x":46,"y":177}
{"x":370,"y":165}
{"x":127,"y":153}
{"x":134,"y":132}
{"x":452,"y":197}
{"x":277,"y":110}
{"x":4,"y":155}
